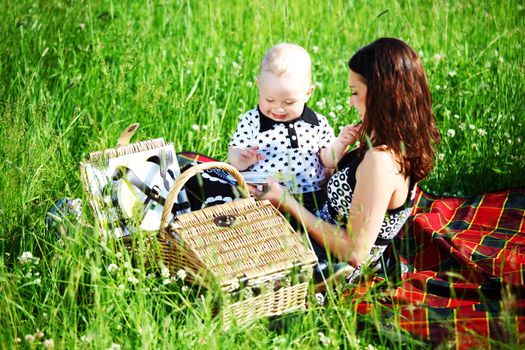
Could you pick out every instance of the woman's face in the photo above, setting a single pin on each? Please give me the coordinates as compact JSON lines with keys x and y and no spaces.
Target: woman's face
{"x":358,"y":90}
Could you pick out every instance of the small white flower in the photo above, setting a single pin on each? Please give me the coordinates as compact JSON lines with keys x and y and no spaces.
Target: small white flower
{"x":118,"y":255}
{"x":87,"y":338}
{"x":482,"y":132}
{"x":441,"y":156}
{"x":324,"y":339}
{"x":205,"y":127}
{"x":26,"y":257}
{"x":114,"y":346}
{"x":518,"y":139}
{"x":39,"y":334}
{"x":151,"y":276}
{"x":30,"y":338}
{"x":509,"y":141}
{"x":318,"y":85}
{"x":451,"y":133}
{"x":181,"y":274}
{"x":249,"y":83}
{"x":438,"y":87}
{"x":133,"y":280}
{"x":38,"y":281}
{"x":49,"y":343}
{"x":506,"y":134}
{"x":474,"y":146}
{"x":456,"y":116}
{"x":315,"y":49}
{"x":339,"y":108}
{"x":121,"y":287}
{"x":82,"y":26}
{"x":18,"y":340}
{"x":321,"y":103}
{"x":438,"y":57}
{"x":452,"y":73}
{"x":112,"y":268}
{"x":501,"y":59}
{"x":370,"y":347}
{"x":471,"y":126}
{"x":165,"y":272}
{"x":462,"y":126}
{"x":184,"y":289}
{"x":332,"y":115}
{"x":420,"y":53}
{"x":166,"y":281}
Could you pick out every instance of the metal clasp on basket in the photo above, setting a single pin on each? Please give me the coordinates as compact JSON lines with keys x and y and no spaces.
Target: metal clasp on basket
{"x":224,"y":220}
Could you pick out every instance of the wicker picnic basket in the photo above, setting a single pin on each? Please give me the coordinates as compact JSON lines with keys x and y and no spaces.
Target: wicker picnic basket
{"x":245,"y":247}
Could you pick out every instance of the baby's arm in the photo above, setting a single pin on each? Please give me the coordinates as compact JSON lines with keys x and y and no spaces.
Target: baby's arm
{"x":331,"y":155}
{"x":244,"y":157}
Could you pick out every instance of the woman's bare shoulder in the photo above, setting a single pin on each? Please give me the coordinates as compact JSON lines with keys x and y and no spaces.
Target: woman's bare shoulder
{"x":381,"y":160}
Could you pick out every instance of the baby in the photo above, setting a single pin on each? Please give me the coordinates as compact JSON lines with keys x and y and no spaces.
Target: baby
{"x":282,"y":134}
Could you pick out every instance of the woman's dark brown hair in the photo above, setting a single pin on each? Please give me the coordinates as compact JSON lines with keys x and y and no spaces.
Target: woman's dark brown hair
{"x":398,"y":105}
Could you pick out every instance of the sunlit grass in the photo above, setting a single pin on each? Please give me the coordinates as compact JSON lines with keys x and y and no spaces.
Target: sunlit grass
{"x":74,"y":75}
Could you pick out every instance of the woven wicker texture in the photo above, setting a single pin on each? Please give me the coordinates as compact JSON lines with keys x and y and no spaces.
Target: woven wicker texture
{"x":126,"y":149}
{"x":258,"y":246}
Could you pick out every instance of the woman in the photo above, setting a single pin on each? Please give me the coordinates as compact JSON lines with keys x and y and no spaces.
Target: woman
{"x":370,"y":194}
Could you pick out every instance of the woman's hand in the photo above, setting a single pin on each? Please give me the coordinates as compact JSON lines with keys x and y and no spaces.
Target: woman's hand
{"x":273,"y":191}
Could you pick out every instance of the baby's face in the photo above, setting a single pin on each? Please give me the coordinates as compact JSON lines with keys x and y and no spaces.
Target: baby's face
{"x":282,"y":98}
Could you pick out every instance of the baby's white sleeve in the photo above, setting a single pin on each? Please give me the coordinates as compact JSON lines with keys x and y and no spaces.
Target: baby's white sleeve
{"x":326,"y":133}
{"x":244,"y":133}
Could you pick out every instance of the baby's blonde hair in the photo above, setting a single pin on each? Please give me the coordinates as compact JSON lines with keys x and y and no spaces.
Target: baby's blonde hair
{"x":285,"y":58}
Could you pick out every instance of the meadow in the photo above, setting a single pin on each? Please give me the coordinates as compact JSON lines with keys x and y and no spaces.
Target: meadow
{"x":74,"y":74}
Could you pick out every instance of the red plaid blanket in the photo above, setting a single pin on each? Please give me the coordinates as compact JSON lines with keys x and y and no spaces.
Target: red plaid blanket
{"x":462,"y":264}
{"x":460,"y":269}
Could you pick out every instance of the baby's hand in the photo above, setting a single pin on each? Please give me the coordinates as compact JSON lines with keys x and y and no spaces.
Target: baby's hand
{"x":249,"y":156}
{"x":349,"y":134}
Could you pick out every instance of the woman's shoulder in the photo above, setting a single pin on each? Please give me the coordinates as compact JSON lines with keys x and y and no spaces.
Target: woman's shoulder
{"x":380,"y":159}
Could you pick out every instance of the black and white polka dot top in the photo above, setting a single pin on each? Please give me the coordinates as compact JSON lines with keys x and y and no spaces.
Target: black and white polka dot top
{"x":336,"y":210}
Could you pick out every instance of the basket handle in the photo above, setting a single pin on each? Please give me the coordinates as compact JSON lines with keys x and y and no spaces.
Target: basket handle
{"x":194,"y":170}
{"x":127,"y":134}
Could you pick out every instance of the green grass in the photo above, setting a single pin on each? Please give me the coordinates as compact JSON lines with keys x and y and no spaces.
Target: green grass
{"x":73,"y":75}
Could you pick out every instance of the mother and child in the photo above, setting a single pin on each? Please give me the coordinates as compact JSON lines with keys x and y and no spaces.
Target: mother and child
{"x":352,"y":216}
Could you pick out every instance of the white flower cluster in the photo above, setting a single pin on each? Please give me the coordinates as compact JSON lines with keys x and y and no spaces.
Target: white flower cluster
{"x":28,"y":258}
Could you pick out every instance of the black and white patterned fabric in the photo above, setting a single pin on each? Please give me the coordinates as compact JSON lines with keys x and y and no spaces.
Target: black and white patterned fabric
{"x":289,"y":147}
{"x":337,"y":209}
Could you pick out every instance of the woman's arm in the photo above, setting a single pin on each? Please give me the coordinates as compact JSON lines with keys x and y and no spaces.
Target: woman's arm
{"x":376,"y":176}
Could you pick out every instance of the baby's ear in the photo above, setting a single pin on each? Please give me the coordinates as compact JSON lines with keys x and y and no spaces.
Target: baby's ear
{"x":310,"y":92}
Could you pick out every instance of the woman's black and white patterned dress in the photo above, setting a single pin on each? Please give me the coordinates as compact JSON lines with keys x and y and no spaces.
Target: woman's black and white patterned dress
{"x":336,"y":210}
